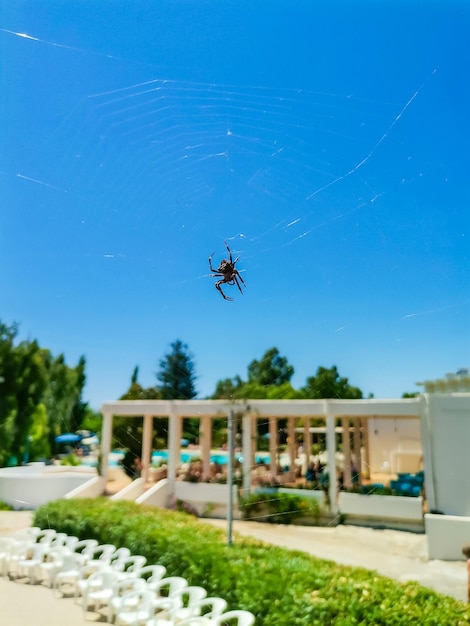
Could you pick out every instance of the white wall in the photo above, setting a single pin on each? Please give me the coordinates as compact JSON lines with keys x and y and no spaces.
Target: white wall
{"x":446,"y":536}
{"x":31,"y":486}
{"x":446,"y":439}
{"x":395,"y":445}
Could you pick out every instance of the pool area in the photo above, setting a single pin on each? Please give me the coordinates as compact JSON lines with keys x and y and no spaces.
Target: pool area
{"x":186,"y":456}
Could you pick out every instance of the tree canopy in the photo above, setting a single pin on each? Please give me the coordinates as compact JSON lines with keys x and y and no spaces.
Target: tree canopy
{"x":177,"y":373}
{"x":272,"y":369}
{"x":269,"y":378}
{"x":327,"y":383}
{"x":40,"y":397}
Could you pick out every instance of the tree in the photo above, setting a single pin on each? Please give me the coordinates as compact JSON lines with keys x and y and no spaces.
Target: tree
{"x":227,"y":388}
{"x":60,"y":395}
{"x":137,"y":392}
{"x":128,"y":432}
{"x":79,"y":408}
{"x":177,"y":373}
{"x":327,"y":383}
{"x":31,"y":382}
{"x":272,"y":369}
{"x":8,"y":372}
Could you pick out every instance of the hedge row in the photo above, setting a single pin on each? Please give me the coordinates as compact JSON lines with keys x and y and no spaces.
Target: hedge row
{"x":281,"y":587}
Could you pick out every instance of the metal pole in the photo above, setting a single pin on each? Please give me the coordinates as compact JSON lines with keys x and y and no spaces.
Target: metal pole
{"x":230,"y":478}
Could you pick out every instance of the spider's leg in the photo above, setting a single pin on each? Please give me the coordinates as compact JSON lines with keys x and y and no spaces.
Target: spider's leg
{"x":237,"y":273}
{"x":217,"y":286}
{"x":210,"y":262}
{"x":237,"y":283}
{"x":229,"y":252}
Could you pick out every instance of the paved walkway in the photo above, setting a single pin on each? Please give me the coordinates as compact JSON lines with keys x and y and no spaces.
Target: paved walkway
{"x":396,"y":554}
{"x":393,"y":553}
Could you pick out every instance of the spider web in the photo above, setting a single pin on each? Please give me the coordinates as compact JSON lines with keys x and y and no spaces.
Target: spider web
{"x":195,"y":152}
{"x":153,"y":176}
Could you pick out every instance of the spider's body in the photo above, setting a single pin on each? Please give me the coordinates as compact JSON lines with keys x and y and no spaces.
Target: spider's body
{"x":227,"y":273}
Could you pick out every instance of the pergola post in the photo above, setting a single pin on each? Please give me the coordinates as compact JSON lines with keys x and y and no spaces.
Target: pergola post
{"x":273,"y":445}
{"x":174,"y":443}
{"x":106,"y":438}
{"x":346,"y":452}
{"x":365,"y":443}
{"x":146,"y":446}
{"x":357,"y":448}
{"x":331,"y":454}
{"x":205,"y":442}
{"x":307,"y":444}
{"x":247,"y":451}
{"x":292,"y":447}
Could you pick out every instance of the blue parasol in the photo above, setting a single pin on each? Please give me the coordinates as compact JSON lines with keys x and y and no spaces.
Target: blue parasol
{"x":68,"y":438}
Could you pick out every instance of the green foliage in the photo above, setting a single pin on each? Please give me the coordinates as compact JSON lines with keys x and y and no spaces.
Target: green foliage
{"x":270,"y":377}
{"x":92,"y":420}
{"x":38,"y":396}
{"x":327,"y":383}
{"x":177,"y":373}
{"x":70,"y":459}
{"x":5,"y":507}
{"x":272,"y":369}
{"x":39,"y":434}
{"x":281,"y":587}
{"x":277,"y":508}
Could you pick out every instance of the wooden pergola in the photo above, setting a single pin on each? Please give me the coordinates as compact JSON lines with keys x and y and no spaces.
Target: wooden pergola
{"x":331,"y":411}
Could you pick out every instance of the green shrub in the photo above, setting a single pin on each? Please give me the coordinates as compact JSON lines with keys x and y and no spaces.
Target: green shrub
{"x":70,"y":459}
{"x":281,"y":587}
{"x":277,"y":508}
{"x":5,"y":507}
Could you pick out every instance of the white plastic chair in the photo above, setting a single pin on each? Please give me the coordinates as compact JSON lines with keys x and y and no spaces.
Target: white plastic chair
{"x":76,"y":578}
{"x":19,"y":551}
{"x":129,"y":565}
{"x":121,"y":590}
{"x":209,"y":607}
{"x":99,"y":589}
{"x":164,"y":590}
{"x":89,"y":570}
{"x":151,"y":573}
{"x":6,"y":546}
{"x":62,"y":562}
{"x":237,"y":617}
{"x":119,"y":556}
{"x":70,"y":542}
{"x":85,"y":549}
{"x":28,"y":567}
{"x":103,"y":552}
{"x":44,"y":536}
{"x":137,"y":608}
{"x":189,"y":621}
{"x":57,"y":540}
{"x":184,"y":600}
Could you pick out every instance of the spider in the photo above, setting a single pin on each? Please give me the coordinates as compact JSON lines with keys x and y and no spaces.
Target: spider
{"x":227,"y":271}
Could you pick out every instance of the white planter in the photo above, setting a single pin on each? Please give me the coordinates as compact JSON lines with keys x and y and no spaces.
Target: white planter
{"x":381,"y":507}
{"x":29,"y":487}
{"x":204,"y":496}
{"x":305,"y":493}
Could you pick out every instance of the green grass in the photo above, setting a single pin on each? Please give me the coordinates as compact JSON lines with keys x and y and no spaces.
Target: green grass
{"x":281,"y":587}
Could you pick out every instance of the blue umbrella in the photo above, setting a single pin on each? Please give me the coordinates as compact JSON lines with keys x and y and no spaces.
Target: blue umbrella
{"x":68,"y":438}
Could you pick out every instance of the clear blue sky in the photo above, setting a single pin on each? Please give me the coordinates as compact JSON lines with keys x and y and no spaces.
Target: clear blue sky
{"x":327,"y":142}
